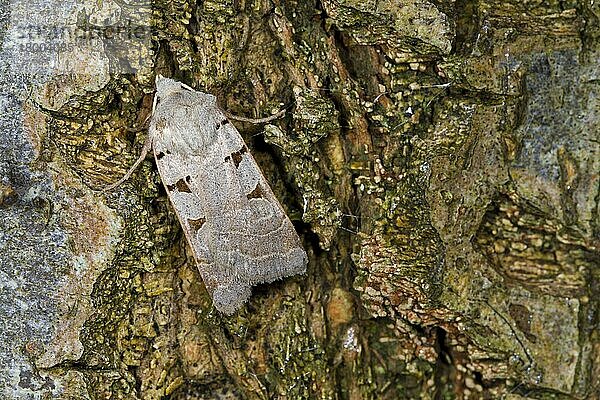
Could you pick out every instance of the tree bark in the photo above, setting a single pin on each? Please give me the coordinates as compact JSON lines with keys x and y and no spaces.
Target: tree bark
{"x":439,"y":159}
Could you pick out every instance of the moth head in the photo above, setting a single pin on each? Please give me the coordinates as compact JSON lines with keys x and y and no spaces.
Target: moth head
{"x":166,"y":86}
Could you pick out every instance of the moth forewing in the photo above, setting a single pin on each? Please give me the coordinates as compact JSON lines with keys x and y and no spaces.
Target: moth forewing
{"x":239,"y":233}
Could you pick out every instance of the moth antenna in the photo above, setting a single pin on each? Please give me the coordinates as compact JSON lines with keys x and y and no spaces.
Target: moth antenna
{"x":357,"y":217}
{"x":277,"y":145}
{"x":183,"y":85}
{"x":348,"y":230}
{"x":144,"y":126}
{"x":255,"y":120}
{"x":376,"y":99}
{"x":145,"y":149}
{"x":514,"y":389}
{"x":438,"y":86}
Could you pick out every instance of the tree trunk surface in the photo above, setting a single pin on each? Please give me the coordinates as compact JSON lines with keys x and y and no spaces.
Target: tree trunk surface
{"x":439,"y":159}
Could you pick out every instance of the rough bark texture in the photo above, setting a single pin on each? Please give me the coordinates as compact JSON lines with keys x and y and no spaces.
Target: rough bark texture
{"x":440,"y":160}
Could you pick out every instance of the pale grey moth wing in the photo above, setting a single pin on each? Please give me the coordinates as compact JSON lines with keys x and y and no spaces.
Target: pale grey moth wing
{"x":239,"y":234}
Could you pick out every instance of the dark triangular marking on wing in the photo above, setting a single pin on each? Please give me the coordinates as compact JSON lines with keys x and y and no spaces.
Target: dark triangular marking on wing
{"x":181,"y":186}
{"x":257,"y":193}
{"x":196,"y":224}
{"x":236,"y":156}
{"x":161,"y":154}
{"x":222,"y":123}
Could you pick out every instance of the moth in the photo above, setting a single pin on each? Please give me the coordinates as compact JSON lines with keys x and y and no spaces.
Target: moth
{"x":239,"y":234}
